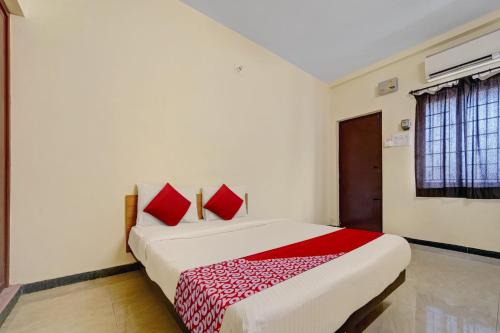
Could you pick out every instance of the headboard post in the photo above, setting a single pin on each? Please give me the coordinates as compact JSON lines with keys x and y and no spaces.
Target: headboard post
{"x":246,"y":202}
{"x":130,"y":216}
{"x":199,"y":206}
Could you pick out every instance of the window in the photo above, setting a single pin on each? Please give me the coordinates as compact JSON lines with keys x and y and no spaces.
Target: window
{"x":457,"y":151}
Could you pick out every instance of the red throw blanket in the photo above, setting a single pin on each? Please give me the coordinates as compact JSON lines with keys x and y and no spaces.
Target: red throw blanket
{"x":203,"y":294}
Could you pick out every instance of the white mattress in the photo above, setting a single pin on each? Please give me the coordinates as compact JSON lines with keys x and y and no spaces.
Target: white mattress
{"x":319,"y":300}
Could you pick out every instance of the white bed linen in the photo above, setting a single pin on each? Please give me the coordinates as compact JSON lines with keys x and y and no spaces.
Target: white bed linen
{"x":318,"y":300}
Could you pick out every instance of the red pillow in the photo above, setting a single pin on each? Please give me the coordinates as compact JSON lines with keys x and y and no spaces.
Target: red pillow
{"x":224,"y":203}
{"x":168,"y":206}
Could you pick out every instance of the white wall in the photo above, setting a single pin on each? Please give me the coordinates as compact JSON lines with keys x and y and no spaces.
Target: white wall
{"x":474,"y":223}
{"x":109,"y":93}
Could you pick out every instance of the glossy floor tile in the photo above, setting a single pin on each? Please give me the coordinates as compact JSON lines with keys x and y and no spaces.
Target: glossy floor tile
{"x":444,"y":292}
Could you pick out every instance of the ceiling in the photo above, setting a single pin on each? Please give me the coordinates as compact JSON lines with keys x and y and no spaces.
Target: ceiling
{"x":332,"y":38}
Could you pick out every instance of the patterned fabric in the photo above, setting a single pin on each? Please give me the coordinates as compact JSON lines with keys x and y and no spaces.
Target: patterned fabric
{"x":204,"y":293}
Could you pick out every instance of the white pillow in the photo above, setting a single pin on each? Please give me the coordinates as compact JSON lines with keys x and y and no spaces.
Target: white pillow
{"x":209,"y":191}
{"x":146,"y":193}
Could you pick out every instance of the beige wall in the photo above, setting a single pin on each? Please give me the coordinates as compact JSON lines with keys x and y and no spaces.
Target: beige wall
{"x":109,"y":93}
{"x":474,"y":223}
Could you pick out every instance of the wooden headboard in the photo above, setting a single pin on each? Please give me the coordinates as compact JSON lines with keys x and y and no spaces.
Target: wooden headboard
{"x":131,"y":212}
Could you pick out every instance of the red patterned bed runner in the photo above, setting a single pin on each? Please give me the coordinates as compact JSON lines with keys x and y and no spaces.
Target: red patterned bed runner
{"x":203,"y":294}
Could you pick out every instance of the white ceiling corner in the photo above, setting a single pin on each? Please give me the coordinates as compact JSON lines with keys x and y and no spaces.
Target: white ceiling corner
{"x":331,"y":39}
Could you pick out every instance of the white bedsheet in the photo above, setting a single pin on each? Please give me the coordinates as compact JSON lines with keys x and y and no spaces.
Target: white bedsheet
{"x":319,"y":300}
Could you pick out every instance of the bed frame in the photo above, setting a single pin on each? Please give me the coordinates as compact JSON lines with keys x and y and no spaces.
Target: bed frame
{"x":350,"y":326}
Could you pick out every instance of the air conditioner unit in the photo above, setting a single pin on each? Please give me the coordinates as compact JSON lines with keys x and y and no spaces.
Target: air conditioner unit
{"x":479,"y":52}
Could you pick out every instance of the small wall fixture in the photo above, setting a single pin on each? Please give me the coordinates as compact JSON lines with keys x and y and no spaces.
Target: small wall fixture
{"x":405,"y":124}
{"x":387,"y":86}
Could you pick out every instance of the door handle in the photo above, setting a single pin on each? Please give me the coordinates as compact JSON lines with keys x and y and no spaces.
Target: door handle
{"x":377,"y":199}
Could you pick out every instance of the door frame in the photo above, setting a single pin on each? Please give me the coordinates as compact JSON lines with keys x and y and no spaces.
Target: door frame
{"x":5,"y":9}
{"x":337,"y":159}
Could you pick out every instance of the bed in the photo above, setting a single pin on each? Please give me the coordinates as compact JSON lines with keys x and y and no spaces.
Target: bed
{"x":331,"y":297}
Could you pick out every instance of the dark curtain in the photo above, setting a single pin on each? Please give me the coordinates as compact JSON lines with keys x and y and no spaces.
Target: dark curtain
{"x":457,"y":140}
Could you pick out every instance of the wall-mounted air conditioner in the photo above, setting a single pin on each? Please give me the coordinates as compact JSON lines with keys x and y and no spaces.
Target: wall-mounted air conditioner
{"x":479,"y":52}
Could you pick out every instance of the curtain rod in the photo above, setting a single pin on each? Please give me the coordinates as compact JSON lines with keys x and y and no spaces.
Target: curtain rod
{"x":438,"y":84}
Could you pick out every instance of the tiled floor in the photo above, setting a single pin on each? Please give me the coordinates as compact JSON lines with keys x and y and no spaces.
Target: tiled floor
{"x":444,"y":292}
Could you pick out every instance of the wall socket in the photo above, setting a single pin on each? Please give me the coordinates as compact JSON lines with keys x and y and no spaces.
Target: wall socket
{"x":401,"y":139}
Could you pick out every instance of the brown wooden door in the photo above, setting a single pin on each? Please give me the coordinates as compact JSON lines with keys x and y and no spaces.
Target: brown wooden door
{"x":360,"y":172}
{"x":4,"y":148}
